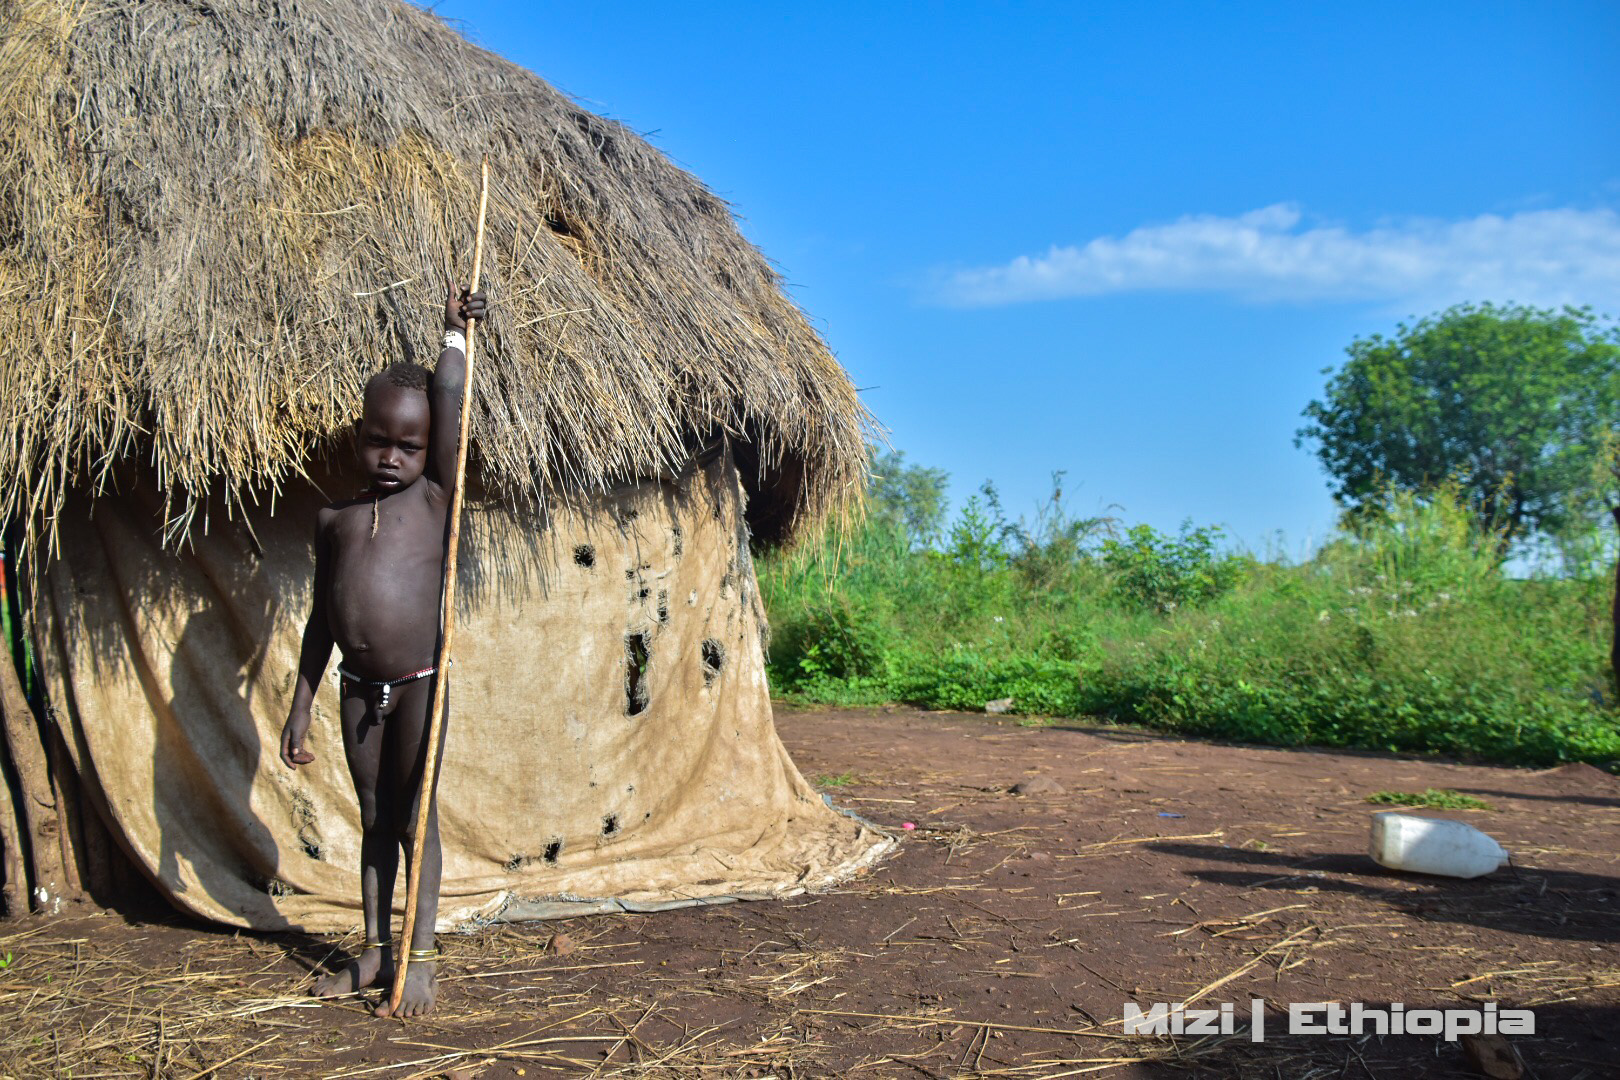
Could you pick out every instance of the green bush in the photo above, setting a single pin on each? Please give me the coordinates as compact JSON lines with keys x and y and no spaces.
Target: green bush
{"x":834,"y":638}
{"x":1165,"y":572}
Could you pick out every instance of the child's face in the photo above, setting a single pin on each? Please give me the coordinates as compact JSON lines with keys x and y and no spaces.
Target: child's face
{"x":393,"y":437}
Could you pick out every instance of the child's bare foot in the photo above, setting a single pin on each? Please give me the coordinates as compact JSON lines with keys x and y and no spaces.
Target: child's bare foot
{"x":367,"y":969}
{"x":421,"y":990}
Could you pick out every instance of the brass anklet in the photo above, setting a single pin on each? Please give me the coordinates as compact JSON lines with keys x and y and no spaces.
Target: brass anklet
{"x":423,"y":954}
{"x":376,"y":944}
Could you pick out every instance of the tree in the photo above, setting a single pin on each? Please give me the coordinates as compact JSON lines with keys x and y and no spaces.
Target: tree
{"x":910,"y":498}
{"x":1511,"y":402}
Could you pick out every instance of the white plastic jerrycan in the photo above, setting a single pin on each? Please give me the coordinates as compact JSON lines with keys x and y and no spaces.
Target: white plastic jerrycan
{"x":1433,"y":846}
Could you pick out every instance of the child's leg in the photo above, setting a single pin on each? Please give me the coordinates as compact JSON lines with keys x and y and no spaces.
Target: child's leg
{"x":379,"y":846}
{"x":405,"y":753}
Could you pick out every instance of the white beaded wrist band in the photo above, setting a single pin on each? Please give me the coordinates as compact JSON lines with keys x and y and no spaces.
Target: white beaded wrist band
{"x":455,"y":339}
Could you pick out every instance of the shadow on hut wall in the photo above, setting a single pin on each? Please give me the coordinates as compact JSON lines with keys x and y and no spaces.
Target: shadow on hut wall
{"x":207,"y":755}
{"x":187,"y":633}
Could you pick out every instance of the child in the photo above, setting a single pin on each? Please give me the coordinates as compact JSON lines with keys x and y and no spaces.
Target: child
{"x":379,"y":563}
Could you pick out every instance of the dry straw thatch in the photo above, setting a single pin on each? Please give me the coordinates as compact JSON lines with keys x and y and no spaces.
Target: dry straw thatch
{"x":218,"y":219}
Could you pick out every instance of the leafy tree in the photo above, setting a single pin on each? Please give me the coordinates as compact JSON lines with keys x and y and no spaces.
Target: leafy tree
{"x":908,"y":497}
{"x":1510,"y":402}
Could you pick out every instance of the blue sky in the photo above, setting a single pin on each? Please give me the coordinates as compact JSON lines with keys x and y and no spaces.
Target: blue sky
{"x":1122,"y":239}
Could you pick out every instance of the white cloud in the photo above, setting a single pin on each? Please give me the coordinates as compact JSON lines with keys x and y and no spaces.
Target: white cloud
{"x":1535,"y":256}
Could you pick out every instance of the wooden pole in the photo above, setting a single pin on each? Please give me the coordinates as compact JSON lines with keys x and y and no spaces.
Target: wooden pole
{"x":447,"y":624}
{"x":14,"y":892}
{"x":41,"y":809}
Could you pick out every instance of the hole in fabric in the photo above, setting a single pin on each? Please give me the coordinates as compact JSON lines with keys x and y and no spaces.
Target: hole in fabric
{"x":520,"y":861}
{"x":714,"y":658}
{"x":663,"y":605}
{"x":679,"y":538}
{"x":610,"y":824}
{"x":309,"y":833}
{"x":636,"y":659}
{"x":585,"y":555}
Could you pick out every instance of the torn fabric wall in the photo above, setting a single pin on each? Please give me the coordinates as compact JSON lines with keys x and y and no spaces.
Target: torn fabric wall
{"x":611,"y":743}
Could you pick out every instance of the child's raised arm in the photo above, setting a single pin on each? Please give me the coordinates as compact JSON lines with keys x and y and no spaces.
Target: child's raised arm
{"x":312,"y":657}
{"x":444,"y":394}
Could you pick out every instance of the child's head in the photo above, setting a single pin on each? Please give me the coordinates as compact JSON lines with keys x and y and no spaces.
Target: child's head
{"x":394,"y":427}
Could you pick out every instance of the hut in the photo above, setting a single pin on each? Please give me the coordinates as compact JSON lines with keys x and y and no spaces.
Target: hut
{"x":218,"y":220}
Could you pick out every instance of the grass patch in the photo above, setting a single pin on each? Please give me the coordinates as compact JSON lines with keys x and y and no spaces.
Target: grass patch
{"x":1432,"y":799}
{"x":1401,"y":634}
{"x":841,"y":780}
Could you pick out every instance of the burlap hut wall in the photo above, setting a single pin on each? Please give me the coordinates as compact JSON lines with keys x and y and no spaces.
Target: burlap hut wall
{"x":565,"y":788}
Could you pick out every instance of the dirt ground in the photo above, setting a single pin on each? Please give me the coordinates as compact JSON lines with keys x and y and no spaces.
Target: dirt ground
{"x":1003,"y":940}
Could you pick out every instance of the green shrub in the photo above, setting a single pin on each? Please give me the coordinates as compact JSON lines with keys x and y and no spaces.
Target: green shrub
{"x":1166,"y":572}
{"x":835,"y":638}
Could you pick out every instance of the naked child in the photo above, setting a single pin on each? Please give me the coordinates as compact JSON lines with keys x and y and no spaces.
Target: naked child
{"x":379,"y":560}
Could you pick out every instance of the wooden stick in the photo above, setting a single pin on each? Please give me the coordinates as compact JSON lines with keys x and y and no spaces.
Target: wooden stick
{"x":14,"y":893}
{"x":447,"y":624}
{"x":41,"y":810}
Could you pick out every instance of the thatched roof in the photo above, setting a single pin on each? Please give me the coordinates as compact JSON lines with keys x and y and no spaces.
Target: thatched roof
{"x":218,"y":219}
